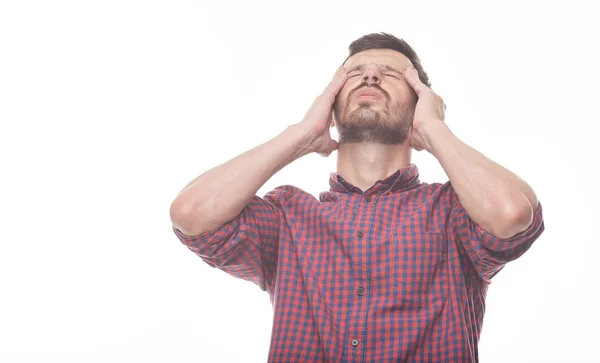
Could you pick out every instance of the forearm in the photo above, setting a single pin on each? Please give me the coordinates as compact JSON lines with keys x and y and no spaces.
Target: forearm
{"x":495,"y":198}
{"x":220,"y":194}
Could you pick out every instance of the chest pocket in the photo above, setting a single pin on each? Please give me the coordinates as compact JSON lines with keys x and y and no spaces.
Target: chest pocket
{"x":417,"y":270}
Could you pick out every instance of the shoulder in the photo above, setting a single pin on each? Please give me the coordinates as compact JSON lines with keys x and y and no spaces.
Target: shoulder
{"x":438,"y":196}
{"x":441,"y":191}
{"x":286,"y":194}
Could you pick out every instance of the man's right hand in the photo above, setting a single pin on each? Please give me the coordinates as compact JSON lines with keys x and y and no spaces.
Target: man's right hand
{"x":220,"y":194}
{"x":317,"y":120}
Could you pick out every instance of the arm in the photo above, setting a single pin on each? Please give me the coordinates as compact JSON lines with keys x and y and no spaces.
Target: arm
{"x":495,"y":198}
{"x":221,"y":193}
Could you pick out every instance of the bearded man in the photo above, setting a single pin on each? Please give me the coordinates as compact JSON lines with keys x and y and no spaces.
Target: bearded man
{"x":382,"y":267}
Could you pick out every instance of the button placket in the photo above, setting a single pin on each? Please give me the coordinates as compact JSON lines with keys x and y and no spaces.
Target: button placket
{"x":360,"y":234}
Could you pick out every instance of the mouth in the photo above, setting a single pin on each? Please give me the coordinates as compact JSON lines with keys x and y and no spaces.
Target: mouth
{"x":368,"y":98}
{"x":369,"y":95}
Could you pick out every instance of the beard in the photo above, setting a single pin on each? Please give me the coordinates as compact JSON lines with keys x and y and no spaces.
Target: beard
{"x":390,"y":125}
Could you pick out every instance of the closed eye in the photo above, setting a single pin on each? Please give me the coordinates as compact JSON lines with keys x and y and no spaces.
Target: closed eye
{"x":388,"y":74}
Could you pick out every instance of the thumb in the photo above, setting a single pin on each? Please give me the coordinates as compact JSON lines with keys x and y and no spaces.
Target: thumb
{"x":329,"y":147}
{"x":412,"y":77}
{"x":334,"y":144}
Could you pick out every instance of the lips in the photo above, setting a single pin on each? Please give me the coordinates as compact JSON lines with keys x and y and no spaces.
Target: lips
{"x":367,"y":93}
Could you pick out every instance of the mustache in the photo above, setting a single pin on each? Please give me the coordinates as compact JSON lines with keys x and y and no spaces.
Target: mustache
{"x":373,"y":85}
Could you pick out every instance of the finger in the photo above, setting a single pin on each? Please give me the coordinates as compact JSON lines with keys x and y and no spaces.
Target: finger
{"x":412,"y":77}
{"x":338,"y":81}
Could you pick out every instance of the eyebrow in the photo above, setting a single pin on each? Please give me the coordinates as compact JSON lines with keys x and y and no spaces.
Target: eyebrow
{"x":385,"y":68}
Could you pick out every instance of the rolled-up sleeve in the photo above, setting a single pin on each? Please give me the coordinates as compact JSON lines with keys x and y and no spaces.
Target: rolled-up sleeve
{"x":488,"y":253}
{"x":245,"y":247}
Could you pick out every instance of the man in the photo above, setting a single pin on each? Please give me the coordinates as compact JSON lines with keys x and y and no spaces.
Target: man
{"x":383,"y":267}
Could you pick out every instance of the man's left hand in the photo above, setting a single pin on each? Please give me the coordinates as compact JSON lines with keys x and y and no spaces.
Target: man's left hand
{"x":430,"y":110}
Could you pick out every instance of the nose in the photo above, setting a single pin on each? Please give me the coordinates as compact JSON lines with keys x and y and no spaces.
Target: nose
{"x":372,"y":74}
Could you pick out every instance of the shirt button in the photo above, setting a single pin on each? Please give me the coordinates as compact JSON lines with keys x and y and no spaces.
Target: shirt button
{"x":359,"y":233}
{"x":360,"y":291}
{"x":354,"y":342}
{"x":368,"y":198}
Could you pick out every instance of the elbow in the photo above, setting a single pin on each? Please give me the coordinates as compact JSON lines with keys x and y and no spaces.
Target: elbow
{"x":179,"y":211}
{"x":184,"y":218}
{"x":191,"y":219}
{"x":516,"y":219}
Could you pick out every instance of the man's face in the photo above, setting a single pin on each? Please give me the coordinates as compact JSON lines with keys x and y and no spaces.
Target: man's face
{"x":376,"y":104}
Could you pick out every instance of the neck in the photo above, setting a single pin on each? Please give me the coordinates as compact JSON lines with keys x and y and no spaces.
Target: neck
{"x":363,"y":164}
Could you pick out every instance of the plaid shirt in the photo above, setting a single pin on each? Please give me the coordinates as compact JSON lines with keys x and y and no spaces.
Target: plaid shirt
{"x":396,"y":273}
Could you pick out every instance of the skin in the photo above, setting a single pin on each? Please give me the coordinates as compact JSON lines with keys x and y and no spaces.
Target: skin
{"x":495,"y":198}
{"x":365,"y":163}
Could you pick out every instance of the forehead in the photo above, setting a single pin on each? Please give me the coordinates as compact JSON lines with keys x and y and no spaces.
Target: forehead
{"x":388,"y":57}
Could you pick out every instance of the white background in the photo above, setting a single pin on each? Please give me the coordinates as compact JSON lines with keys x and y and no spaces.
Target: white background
{"x":108,"y":108}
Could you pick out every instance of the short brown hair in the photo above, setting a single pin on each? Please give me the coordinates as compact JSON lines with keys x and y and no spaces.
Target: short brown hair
{"x":388,"y":41}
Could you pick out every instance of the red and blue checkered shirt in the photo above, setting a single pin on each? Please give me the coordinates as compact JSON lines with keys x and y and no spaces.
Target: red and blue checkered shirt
{"x":397,"y":273}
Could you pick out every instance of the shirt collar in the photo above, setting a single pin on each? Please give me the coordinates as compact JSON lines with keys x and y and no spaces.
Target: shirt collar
{"x":403,"y":179}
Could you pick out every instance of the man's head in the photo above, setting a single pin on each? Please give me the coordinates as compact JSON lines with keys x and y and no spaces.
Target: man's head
{"x":377,"y":104}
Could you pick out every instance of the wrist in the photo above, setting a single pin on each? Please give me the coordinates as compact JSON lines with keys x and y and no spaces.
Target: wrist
{"x":435,"y":135}
{"x":302,"y":139}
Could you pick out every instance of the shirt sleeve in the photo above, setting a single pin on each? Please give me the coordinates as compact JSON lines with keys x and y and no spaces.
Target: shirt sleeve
{"x":488,"y":253}
{"x":245,"y":247}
